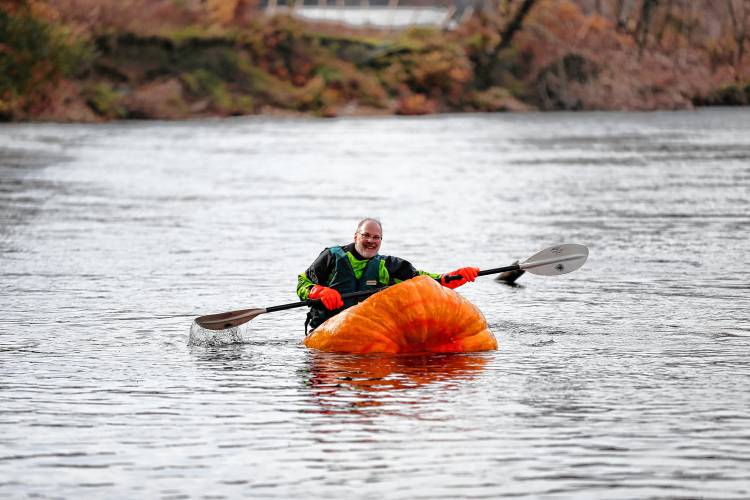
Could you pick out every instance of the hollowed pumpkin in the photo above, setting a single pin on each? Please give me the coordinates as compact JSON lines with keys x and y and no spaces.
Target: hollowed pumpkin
{"x":415,"y":316}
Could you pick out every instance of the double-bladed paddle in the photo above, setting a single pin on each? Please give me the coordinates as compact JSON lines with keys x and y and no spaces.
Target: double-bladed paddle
{"x":552,"y":261}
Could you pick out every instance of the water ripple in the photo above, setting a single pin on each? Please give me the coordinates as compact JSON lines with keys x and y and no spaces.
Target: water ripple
{"x":626,"y":379}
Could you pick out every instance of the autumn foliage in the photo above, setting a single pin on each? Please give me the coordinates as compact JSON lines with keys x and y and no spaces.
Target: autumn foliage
{"x":92,"y":60}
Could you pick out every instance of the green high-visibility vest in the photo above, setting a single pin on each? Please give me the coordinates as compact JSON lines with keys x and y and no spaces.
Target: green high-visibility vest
{"x":344,"y":279}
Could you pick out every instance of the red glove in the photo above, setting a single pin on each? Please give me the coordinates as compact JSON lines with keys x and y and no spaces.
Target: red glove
{"x":466,"y":273}
{"x":330,"y":298}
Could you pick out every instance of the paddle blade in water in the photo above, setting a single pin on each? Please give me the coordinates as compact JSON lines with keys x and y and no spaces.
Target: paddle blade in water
{"x":415,"y":316}
{"x":230,"y":319}
{"x":553,"y":261}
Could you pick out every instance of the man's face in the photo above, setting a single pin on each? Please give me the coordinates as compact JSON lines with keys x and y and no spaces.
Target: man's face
{"x":367,"y":239}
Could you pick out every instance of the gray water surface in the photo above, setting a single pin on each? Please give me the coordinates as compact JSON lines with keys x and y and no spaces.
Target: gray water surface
{"x":628,"y":378}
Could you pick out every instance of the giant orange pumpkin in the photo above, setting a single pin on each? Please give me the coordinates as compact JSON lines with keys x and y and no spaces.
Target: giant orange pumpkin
{"x":416,"y":316}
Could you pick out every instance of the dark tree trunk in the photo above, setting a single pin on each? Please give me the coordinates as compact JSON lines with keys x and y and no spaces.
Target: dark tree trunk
{"x":488,"y":63}
{"x":668,"y":18}
{"x":514,"y":26}
{"x":620,"y":16}
{"x":644,"y":24}
{"x":740,"y":32}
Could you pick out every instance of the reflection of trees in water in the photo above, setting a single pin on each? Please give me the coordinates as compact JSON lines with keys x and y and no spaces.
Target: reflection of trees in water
{"x":22,"y":190}
{"x":348,"y":383}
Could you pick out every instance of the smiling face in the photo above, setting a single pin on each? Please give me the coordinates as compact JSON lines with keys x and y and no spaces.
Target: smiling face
{"x":367,"y":238}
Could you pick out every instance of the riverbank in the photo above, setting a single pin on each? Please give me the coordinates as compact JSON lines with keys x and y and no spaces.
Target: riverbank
{"x":560,"y":58}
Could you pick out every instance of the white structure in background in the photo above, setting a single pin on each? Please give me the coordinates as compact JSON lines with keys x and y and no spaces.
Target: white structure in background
{"x":390,"y":16}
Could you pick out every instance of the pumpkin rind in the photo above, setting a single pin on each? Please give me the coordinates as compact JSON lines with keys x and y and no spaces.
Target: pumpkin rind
{"x":415,"y":316}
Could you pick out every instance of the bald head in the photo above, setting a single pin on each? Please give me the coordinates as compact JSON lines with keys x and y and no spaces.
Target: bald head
{"x":369,"y":219}
{"x":367,"y":237}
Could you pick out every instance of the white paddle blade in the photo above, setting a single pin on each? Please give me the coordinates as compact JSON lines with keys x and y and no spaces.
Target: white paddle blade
{"x":553,"y":261}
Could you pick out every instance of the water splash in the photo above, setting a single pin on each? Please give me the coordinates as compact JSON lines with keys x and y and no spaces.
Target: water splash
{"x":200,"y":336}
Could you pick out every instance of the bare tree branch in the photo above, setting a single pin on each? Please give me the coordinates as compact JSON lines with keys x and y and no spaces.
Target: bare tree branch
{"x":514,"y":26}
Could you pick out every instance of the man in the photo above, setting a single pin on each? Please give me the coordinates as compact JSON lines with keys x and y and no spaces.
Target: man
{"x":358,"y":266}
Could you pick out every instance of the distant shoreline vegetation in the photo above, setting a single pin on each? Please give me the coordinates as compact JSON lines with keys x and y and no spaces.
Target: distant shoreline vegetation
{"x":92,"y":61}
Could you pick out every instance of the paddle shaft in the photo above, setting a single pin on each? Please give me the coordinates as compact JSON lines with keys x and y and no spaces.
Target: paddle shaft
{"x":363,"y":293}
{"x":231,"y":319}
{"x":310,"y":302}
{"x":454,"y":277}
{"x":514,"y":267}
{"x":238,"y":317}
{"x":552,"y":261}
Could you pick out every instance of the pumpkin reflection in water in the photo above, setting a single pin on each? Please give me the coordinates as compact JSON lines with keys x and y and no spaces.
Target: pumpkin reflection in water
{"x":416,"y":316}
{"x":356,"y":384}
{"x":381,"y":372}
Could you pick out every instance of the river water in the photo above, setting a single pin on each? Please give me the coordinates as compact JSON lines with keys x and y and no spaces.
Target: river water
{"x":629,"y":378}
